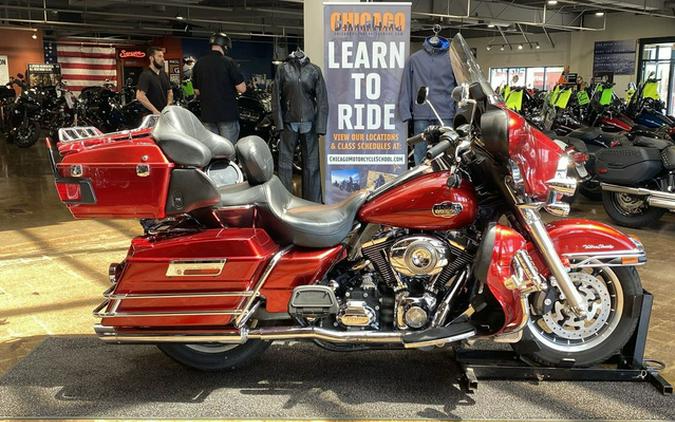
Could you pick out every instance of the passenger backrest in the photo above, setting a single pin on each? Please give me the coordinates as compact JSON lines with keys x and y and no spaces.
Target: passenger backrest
{"x":186,"y":141}
{"x":256,"y":159}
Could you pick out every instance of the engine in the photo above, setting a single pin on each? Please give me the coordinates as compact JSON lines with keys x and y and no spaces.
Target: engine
{"x":417,"y":268}
{"x":400,"y":284}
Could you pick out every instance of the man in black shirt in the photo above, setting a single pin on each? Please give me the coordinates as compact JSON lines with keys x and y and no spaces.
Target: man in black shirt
{"x":217,"y":80}
{"x":154,"y":89}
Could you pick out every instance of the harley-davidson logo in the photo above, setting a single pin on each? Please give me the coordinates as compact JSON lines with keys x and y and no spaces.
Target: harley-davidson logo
{"x":446,"y":209}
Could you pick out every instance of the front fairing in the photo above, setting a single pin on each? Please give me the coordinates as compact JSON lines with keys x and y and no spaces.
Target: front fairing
{"x":535,"y":154}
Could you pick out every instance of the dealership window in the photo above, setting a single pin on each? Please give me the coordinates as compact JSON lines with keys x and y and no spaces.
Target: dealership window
{"x":657,"y":58}
{"x":543,"y":78}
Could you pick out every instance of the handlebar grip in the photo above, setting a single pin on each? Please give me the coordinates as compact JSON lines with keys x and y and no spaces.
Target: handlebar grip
{"x":414,"y":140}
{"x":438,"y":149}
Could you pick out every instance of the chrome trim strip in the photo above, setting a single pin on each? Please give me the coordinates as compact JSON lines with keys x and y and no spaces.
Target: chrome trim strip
{"x":256,"y":290}
{"x":604,"y":253}
{"x":178,"y":268}
{"x":121,"y":296}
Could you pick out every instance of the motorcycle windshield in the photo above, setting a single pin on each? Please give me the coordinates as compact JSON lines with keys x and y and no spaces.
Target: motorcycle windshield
{"x":534,"y":153}
{"x":466,"y":69}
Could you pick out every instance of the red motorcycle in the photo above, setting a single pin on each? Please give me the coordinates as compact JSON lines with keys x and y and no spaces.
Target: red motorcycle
{"x":421,"y":261}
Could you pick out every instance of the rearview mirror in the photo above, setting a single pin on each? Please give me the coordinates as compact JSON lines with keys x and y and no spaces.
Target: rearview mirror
{"x":422,"y":95}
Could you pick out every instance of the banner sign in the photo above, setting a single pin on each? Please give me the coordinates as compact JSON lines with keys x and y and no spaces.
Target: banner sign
{"x":4,"y":70}
{"x":617,"y":57}
{"x":366,"y":46}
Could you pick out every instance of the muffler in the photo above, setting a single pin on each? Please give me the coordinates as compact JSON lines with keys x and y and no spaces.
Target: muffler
{"x":655,"y":198}
{"x":111,"y":335}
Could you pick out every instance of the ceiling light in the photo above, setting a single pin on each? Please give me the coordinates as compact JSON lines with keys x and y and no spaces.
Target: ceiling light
{"x":34,"y":36}
{"x":179,"y":17}
{"x":599,"y":13}
{"x":537,"y":46}
{"x":491,"y":25}
{"x":501,"y":48}
{"x":552,"y":2}
{"x":520,"y":46}
{"x":488,"y":48}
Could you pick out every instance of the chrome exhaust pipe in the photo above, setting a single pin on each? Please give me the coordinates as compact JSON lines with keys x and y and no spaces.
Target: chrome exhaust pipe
{"x":655,"y":198}
{"x":111,"y":335}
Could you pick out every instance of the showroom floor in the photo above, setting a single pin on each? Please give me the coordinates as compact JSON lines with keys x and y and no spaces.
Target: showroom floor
{"x":53,"y":270}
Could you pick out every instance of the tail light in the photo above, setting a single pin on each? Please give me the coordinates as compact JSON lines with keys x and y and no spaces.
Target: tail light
{"x":577,"y":156}
{"x":69,"y":192}
{"x":614,"y":144}
{"x":602,"y":170}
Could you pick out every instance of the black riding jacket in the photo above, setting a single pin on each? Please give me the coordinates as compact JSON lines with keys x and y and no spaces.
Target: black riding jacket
{"x":299,"y":94}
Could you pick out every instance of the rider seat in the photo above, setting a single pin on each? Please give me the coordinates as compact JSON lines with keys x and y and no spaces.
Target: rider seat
{"x":185,"y":140}
{"x":289,"y":219}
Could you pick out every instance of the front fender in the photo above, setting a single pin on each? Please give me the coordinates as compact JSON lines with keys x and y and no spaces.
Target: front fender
{"x":585,"y":243}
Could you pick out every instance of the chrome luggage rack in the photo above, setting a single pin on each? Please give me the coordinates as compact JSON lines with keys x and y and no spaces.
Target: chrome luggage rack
{"x":79,"y":133}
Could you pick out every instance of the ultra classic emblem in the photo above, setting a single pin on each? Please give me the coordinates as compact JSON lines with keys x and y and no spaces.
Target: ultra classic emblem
{"x":446,"y":209}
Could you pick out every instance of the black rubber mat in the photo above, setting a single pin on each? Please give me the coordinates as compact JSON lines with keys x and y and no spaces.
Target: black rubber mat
{"x":82,"y":377}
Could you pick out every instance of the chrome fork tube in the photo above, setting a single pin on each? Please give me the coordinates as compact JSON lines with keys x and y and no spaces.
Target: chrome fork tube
{"x":537,"y":230}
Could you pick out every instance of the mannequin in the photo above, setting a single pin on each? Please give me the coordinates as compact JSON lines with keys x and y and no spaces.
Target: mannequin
{"x":428,"y":67}
{"x":300,"y":110}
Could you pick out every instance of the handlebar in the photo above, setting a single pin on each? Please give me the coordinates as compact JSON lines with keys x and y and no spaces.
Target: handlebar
{"x":442,"y":138}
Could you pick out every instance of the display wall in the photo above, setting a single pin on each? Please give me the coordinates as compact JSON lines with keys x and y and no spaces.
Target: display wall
{"x":20,"y":49}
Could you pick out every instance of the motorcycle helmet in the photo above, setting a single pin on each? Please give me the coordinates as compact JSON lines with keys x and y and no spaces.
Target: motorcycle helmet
{"x":221,"y":39}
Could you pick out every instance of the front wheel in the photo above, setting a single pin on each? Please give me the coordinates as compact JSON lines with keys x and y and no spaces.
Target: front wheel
{"x":562,"y":339}
{"x":26,"y":135}
{"x":214,"y":356}
{"x":630,"y":210}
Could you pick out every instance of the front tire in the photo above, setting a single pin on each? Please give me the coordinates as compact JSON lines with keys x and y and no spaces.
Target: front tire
{"x":214,"y":356}
{"x":630,"y":210}
{"x":562,"y":339}
{"x":26,"y":135}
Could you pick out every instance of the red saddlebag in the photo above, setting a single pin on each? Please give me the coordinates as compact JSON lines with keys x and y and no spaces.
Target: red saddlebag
{"x":197,"y":280}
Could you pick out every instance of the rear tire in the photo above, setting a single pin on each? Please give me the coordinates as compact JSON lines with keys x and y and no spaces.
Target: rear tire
{"x":214,"y":356}
{"x":630,"y":210}
{"x":586,"y":343}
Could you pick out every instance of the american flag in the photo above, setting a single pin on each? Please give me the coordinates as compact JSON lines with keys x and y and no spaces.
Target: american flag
{"x":85,"y":65}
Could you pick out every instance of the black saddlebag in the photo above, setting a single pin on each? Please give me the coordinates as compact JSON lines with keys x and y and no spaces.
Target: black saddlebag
{"x":668,"y":157}
{"x":628,"y":165}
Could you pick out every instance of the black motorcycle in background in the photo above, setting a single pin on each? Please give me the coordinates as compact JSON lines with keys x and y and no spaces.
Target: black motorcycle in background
{"x":38,"y":109}
{"x":108,"y":110}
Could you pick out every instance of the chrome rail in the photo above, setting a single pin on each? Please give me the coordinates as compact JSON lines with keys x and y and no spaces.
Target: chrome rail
{"x":244,"y":315}
{"x":100,"y":313}
{"x":114,"y":296}
{"x":623,"y":258}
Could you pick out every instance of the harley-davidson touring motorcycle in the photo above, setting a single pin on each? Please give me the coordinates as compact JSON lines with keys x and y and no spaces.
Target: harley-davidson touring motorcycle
{"x":425,"y":260}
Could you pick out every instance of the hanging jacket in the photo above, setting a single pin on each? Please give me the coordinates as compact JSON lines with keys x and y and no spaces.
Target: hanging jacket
{"x":428,"y":67}
{"x":299,"y":94}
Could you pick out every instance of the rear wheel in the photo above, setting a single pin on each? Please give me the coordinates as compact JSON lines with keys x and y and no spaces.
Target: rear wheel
{"x":630,"y":210}
{"x":562,"y":338}
{"x":214,"y":356}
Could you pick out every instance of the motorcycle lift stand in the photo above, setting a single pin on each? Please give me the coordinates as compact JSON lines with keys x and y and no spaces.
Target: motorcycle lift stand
{"x":628,"y":365}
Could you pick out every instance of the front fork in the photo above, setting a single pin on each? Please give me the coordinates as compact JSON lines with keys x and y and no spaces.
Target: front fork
{"x":535,"y":227}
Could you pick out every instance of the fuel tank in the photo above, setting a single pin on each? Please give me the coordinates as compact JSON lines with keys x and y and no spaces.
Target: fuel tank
{"x":425,"y":203}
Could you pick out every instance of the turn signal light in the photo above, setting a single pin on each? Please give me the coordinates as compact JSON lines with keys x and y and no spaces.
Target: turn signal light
{"x":630,"y":260}
{"x":69,"y":192}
